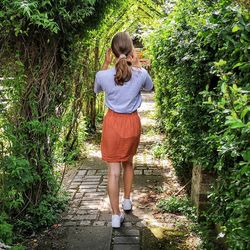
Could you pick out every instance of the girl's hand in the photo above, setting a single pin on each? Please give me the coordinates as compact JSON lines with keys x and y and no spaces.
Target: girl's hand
{"x":135,"y":59}
{"x":108,"y":59}
{"x":108,"y":56}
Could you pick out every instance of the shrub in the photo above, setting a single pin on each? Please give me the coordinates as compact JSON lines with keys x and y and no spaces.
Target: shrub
{"x":5,"y":229}
{"x":177,"y":205}
{"x":201,"y":62}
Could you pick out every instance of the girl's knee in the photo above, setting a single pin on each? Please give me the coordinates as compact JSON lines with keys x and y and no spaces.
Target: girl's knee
{"x":114,"y":171}
{"x":127,"y":163}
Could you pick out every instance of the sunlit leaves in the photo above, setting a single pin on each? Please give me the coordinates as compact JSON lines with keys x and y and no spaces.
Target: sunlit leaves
{"x":48,"y":14}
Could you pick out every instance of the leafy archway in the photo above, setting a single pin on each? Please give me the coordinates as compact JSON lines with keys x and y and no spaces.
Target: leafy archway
{"x":50,"y":53}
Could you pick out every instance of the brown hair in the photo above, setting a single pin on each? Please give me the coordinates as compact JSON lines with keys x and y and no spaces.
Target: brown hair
{"x":122,"y":44}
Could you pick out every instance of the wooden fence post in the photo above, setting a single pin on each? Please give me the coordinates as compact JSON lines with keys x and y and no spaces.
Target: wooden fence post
{"x":201,"y":185}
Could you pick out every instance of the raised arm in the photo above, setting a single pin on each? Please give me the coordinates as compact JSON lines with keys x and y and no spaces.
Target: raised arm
{"x":108,"y":59}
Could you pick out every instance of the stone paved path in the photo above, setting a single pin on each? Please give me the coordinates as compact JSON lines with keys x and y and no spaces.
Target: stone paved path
{"x":87,"y":223}
{"x":90,"y":204}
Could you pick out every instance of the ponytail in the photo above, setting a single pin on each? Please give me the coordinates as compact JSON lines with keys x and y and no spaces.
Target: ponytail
{"x":123,"y":70}
{"x":122,"y":47}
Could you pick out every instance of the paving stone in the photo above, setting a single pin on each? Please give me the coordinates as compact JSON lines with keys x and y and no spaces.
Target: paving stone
{"x":156,"y":172}
{"x":77,"y":217}
{"x":87,"y":217}
{"x":147,"y":172}
{"x":126,"y":240}
{"x":88,"y":198}
{"x":72,"y":190}
{"x":82,"y":172}
{"x":94,"y":202}
{"x":99,"y":223}
{"x":101,"y":192}
{"x":73,"y":186}
{"x":85,"y":223}
{"x":68,"y":217}
{"x":140,"y":167}
{"x":126,"y":247}
{"x":85,"y":168}
{"x":77,"y":180}
{"x":88,"y":190}
{"x":87,"y":186}
{"x":72,"y":210}
{"x":127,"y":224}
{"x":82,"y":211}
{"x":102,"y":184}
{"x":91,"y":172}
{"x":91,"y":206}
{"x":87,"y":211}
{"x":96,"y":194}
{"x":127,"y":232}
{"x":87,"y":238}
{"x":78,"y":196}
{"x":138,"y":172}
{"x":89,"y":183}
{"x":105,"y":216}
{"x":70,"y":223}
{"x":101,"y":172}
{"x":78,"y":177}
{"x":92,"y":177}
{"x":75,"y":203}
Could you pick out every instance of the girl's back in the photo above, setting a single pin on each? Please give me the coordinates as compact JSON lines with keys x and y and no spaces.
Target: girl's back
{"x":124,"y":98}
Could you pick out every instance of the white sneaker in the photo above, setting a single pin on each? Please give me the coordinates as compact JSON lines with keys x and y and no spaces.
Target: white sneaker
{"x":117,"y":220}
{"x":127,"y":205}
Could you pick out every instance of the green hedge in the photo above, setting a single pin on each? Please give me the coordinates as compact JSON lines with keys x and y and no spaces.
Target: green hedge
{"x":201,"y":61}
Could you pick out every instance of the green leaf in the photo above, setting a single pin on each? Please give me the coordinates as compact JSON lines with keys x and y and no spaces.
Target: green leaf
{"x":238,"y":65}
{"x":234,"y":122}
{"x":235,"y":28}
{"x":246,"y":155}
{"x":220,"y":63}
{"x":244,"y":112}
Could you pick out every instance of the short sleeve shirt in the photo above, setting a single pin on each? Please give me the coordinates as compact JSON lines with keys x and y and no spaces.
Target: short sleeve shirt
{"x":125,"y":98}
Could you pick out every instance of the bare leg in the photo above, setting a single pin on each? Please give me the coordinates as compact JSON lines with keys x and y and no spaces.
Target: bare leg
{"x":128,"y":174}
{"x":114,"y":186}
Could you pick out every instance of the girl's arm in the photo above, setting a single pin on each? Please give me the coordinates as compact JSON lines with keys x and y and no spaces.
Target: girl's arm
{"x":108,"y":59}
{"x":136,"y":60}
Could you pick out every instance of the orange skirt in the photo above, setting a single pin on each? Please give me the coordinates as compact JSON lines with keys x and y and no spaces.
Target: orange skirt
{"x":120,"y":136}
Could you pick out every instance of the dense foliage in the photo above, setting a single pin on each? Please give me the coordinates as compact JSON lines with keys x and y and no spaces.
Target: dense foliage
{"x":201,"y":60}
{"x":50,"y":52}
{"x":41,"y":102}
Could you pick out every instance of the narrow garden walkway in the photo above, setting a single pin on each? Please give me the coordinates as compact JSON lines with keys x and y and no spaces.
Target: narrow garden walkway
{"x":86,"y":224}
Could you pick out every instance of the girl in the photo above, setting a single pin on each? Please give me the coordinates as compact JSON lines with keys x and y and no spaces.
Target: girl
{"x":121,"y":125}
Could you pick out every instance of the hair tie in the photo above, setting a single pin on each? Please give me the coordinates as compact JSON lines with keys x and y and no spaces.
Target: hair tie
{"x":122,"y":56}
